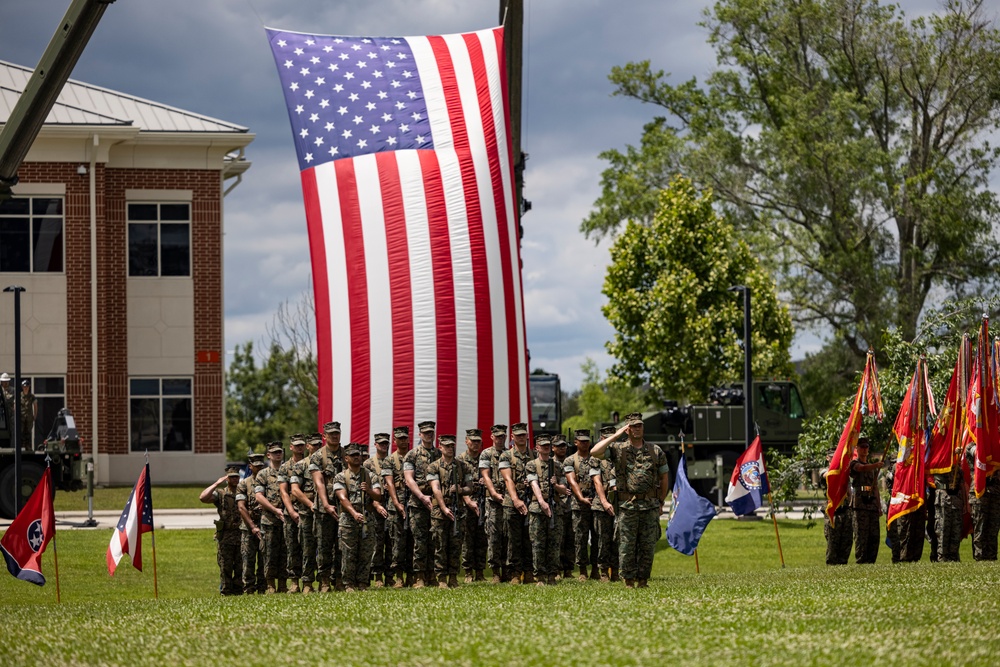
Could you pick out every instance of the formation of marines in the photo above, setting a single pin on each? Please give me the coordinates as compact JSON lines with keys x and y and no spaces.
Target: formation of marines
{"x":329,"y":518}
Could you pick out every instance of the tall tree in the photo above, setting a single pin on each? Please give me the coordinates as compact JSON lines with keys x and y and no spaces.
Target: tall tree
{"x":599,"y":399}
{"x":677,"y":325}
{"x":848,"y":142}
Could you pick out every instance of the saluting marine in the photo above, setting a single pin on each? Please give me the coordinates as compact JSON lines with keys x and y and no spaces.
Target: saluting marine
{"x":227,"y":530}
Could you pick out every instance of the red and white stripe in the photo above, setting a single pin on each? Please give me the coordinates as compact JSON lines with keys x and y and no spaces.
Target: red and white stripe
{"x":416,"y":261}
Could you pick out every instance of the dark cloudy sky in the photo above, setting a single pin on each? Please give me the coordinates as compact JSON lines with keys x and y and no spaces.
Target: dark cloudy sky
{"x":212,"y":57}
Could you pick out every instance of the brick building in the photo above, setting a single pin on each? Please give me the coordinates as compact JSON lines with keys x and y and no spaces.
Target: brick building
{"x":130,"y":193}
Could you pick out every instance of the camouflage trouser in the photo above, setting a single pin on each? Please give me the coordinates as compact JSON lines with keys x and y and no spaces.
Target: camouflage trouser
{"x":357,"y":543}
{"x":893,"y":542}
{"x":423,"y":546}
{"x":568,"y":548}
{"x":253,"y":563}
{"x":474,"y":542}
{"x":839,"y":536}
{"x":604,"y":540}
{"x":638,"y":532}
{"x":447,"y":546}
{"x":275,"y":557}
{"x":518,"y":541}
{"x":293,"y":548}
{"x":402,"y":544}
{"x":230,"y":563}
{"x":307,"y":540}
{"x":866,"y":535}
{"x":948,"y":509}
{"x":546,"y":543}
{"x":911,"y":535}
{"x":986,"y":523}
{"x":930,"y":507}
{"x":583,"y":532}
{"x":327,"y":550}
{"x":26,"y":442}
{"x":496,"y":536}
{"x":376,"y":525}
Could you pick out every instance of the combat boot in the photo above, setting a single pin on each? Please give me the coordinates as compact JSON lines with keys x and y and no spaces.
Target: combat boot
{"x":604,"y":576}
{"x":452,"y":581}
{"x":468,"y":575}
{"x":409,"y":580}
{"x":307,"y":589}
{"x":282,"y":585}
{"x":398,"y":583}
{"x":515,"y":577}
{"x":378,"y":582}
{"x":496,"y":579}
{"x":630,"y":583}
{"x":642,"y":583}
{"x":443,"y":581}
{"x":552,"y":580}
{"x":338,"y":584}
{"x":293,"y":587}
{"x":270,"y":587}
{"x":419,"y":583}
{"x":348,"y":589}
{"x":362,"y":588}
{"x":529,"y":578}
{"x":614,"y":575}
{"x":567,"y":575}
{"x":479,"y":576}
{"x":390,"y":580}
{"x":540,"y":582}
{"x":595,"y":573}
{"x":324,"y":584}
{"x":583,"y":573}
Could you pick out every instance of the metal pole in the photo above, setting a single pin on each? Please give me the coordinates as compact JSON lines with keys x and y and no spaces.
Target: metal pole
{"x":747,"y":369}
{"x":16,"y":430}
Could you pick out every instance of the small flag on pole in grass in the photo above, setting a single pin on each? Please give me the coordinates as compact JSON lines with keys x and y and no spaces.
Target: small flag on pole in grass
{"x":136,"y":519}
{"x":748,"y":485}
{"x":689,"y":515}
{"x":25,"y":540}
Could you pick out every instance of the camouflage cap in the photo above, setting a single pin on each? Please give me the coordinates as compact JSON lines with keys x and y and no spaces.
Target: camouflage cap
{"x":381,"y":438}
{"x":256,"y":459}
{"x":233,"y":469}
{"x":543,"y":441}
{"x":426,"y":426}
{"x":298,"y":439}
{"x":353,"y":448}
{"x":315,"y":439}
{"x":498,"y":429}
{"x":447,"y":440}
{"x":276,"y":446}
{"x":401,"y":432}
{"x":634,"y":418}
{"x":559,"y":441}
{"x":331,"y":427}
{"x":520,"y":428}
{"x":607,"y":430}
{"x":473,"y":434}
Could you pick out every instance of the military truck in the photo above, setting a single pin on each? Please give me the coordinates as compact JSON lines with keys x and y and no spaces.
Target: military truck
{"x":546,"y":403}
{"x":716,"y":430}
{"x":63,"y":449}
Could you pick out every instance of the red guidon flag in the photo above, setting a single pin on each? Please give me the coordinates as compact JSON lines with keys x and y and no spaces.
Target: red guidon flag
{"x":25,"y":540}
{"x":407,"y":177}
{"x":981,"y":413}
{"x":912,"y":430}
{"x":868,"y":401}
{"x":949,"y":429}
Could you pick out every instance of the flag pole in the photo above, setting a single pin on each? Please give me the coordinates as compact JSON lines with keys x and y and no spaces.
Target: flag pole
{"x":55,"y":551}
{"x":770,"y":504}
{"x":152,"y":534}
{"x":697,"y":568}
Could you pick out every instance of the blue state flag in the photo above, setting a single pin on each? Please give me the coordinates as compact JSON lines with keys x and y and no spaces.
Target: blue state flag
{"x":689,"y":515}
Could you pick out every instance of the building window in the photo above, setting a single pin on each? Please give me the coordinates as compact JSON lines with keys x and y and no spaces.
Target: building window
{"x":159,"y":239}
{"x":160,"y":414}
{"x":31,"y":235}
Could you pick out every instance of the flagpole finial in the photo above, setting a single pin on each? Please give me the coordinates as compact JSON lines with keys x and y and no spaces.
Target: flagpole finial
{"x":146,"y":454}
{"x":48,"y":460}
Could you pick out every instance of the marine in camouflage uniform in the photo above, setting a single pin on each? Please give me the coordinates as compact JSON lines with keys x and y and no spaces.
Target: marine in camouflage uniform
{"x":492,"y":481}
{"x":267,"y":486}
{"x":304,"y":494}
{"x":567,"y":548}
{"x":356,"y":489}
{"x":865,"y":504}
{"x":548,"y":483}
{"x":641,"y":473}
{"x":419,"y":508}
{"x":451,"y":483}
{"x":474,"y":544}
{"x":324,"y":466}
{"x":514,"y":469}
{"x":910,"y":531}
{"x":250,"y":534}
{"x":949,"y":505}
{"x":382,"y":554}
{"x":985,"y":513}
{"x":227,"y":530}
{"x":293,"y":516}
{"x":602,"y":475}
{"x":577,"y":468}
{"x":398,"y":522}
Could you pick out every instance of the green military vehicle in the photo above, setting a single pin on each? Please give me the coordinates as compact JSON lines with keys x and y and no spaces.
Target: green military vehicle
{"x":63,"y":449}
{"x":716,"y":431}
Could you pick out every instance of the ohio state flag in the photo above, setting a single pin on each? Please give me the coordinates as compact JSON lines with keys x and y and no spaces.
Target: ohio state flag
{"x":24,"y":542}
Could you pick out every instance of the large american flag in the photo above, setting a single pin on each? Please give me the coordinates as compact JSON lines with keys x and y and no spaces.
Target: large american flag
{"x":407,"y":179}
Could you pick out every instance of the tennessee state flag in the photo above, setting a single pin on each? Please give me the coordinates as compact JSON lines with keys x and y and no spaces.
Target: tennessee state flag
{"x":748,"y":485}
{"x":912,"y":431}
{"x":868,"y":401}
{"x":136,"y":519}
{"x":25,"y":540}
{"x":982,"y":414}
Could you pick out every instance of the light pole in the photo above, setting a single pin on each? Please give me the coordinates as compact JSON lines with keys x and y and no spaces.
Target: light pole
{"x":16,"y":430}
{"x":747,"y":357}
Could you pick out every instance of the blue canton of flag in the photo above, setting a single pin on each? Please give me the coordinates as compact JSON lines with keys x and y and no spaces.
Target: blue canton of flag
{"x":350,"y":96}
{"x":136,"y":519}
{"x":689,"y":515}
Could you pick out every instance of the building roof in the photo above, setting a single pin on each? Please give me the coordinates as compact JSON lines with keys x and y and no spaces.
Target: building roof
{"x":84,"y":104}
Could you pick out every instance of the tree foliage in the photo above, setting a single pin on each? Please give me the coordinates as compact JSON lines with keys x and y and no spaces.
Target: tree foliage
{"x":848,"y":142}
{"x":599,"y":398}
{"x":677,"y":325}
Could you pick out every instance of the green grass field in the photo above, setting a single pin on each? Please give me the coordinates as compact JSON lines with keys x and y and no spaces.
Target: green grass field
{"x":115,"y":497}
{"x":742,"y":609}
